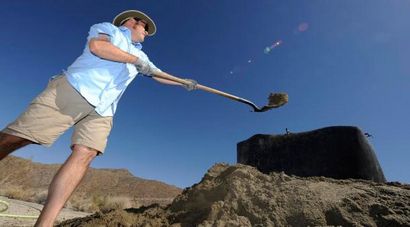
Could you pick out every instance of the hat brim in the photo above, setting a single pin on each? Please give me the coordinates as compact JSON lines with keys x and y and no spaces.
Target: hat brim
{"x":138,"y":14}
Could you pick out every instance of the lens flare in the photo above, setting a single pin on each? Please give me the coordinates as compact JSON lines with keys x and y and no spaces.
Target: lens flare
{"x":235,"y":70}
{"x":275,"y":44}
{"x":303,"y":27}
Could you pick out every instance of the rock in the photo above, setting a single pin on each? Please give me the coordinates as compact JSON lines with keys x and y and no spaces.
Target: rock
{"x":339,"y":152}
{"x":240,"y":195}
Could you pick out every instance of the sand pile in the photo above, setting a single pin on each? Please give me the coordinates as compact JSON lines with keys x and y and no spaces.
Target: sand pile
{"x":240,"y":195}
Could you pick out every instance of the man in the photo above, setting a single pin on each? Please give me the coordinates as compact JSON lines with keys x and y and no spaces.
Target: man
{"x":85,"y":96}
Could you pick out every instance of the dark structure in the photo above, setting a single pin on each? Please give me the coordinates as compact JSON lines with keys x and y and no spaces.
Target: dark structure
{"x":338,"y":152}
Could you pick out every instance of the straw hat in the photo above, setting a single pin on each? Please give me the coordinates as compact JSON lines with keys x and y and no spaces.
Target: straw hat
{"x":123,"y":16}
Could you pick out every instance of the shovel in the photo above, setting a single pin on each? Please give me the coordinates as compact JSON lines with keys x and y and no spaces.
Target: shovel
{"x":275,"y":100}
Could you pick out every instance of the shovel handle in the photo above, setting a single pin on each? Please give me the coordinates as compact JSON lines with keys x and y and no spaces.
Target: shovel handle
{"x":166,"y":76}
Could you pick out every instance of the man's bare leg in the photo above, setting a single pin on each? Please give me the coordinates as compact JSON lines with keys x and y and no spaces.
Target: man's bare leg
{"x":10,"y":143}
{"x":64,"y":183}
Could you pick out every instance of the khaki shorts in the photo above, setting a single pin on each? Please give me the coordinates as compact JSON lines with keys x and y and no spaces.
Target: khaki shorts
{"x":54,"y":111}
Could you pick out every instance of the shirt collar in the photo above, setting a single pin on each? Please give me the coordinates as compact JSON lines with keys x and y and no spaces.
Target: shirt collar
{"x":127,"y":34}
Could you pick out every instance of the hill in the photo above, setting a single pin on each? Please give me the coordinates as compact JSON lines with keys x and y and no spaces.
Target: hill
{"x":101,"y":189}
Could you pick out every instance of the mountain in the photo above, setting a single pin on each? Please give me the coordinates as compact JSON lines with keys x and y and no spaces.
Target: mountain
{"x":100,"y":189}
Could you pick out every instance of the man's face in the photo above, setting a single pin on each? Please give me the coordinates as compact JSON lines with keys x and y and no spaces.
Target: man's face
{"x":137,"y":28}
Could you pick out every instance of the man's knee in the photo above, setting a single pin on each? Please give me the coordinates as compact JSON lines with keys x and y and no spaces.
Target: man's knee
{"x":84,"y":153}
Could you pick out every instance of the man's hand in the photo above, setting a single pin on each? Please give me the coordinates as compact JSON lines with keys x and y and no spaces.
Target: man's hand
{"x":166,"y":78}
{"x":143,"y":67}
{"x":190,"y":85}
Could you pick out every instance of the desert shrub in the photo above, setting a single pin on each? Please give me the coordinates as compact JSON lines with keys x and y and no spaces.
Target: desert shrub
{"x":16,"y":193}
{"x":100,"y":203}
{"x":40,"y":197}
{"x":79,"y":203}
{"x":111,"y":203}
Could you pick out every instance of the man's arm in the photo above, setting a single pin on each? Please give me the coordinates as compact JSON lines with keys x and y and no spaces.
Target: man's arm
{"x":102,"y":47}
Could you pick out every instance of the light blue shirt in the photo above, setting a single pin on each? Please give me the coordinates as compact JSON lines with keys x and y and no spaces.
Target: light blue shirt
{"x":102,"y":82}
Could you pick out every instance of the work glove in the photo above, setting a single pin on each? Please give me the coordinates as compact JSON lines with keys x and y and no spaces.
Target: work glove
{"x":191,"y":85}
{"x":143,"y":67}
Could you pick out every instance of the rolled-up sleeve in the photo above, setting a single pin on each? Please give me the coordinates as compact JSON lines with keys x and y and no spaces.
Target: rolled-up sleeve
{"x":101,"y":29}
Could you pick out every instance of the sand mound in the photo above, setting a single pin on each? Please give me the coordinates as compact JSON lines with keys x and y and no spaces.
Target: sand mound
{"x":240,"y":195}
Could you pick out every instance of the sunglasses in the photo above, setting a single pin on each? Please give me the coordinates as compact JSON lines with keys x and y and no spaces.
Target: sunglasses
{"x":137,"y":20}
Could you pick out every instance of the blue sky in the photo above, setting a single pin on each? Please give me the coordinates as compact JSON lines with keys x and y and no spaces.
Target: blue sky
{"x":341,"y":62}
